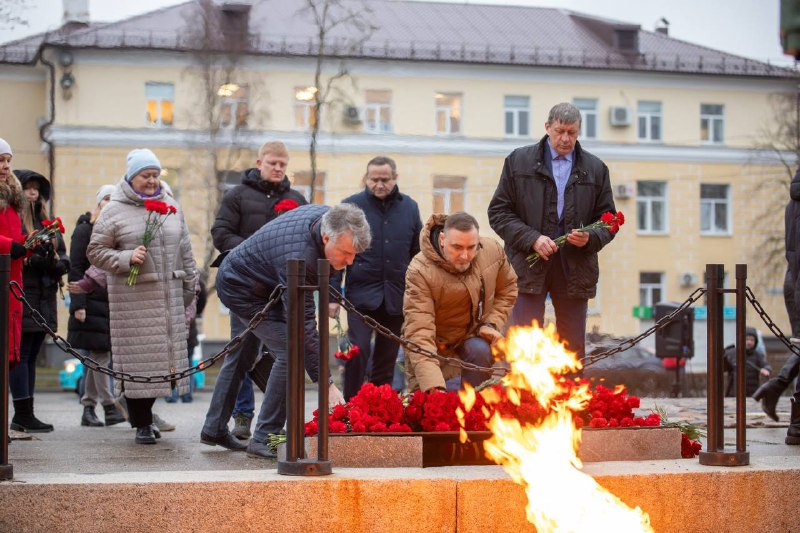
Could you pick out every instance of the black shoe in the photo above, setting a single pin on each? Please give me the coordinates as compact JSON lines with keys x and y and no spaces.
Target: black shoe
{"x":768,"y":394}
{"x":89,"y":418}
{"x":260,"y":450}
{"x":144,"y":435}
{"x":113,"y":416}
{"x":24,"y":420}
{"x":226,"y":441}
{"x":793,"y":433}
{"x":156,"y":431}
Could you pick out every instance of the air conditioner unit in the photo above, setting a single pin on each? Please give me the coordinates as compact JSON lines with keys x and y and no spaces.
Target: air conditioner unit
{"x":619,"y":116}
{"x":352,"y":115}
{"x":687,"y":279}
{"x":623,"y":190}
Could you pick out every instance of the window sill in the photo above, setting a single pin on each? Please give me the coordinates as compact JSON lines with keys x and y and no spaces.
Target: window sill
{"x":716,"y":235}
{"x":652,"y":233}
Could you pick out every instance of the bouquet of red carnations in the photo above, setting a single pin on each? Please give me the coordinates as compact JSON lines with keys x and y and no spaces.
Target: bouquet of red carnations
{"x":50,"y":228}
{"x":608,"y":220}
{"x":284,"y":206}
{"x":157,"y":213}
{"x":346,"y":350}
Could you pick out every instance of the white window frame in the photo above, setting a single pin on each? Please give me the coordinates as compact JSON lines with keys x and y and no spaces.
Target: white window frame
{"x":233,"y":102}
{"x":158,"y":99}
{"x":447,"y":110}
{"x":372,"y":115}
{"x":714,"y":122}
{"x":648,"y":117}
{"x":515,"y":111}
{"x":649,"y":288}
{"x":646,"y":203}
{"x":711,"y":204}
{"x":588,"y":109}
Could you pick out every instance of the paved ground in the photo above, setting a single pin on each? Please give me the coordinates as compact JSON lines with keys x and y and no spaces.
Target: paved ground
{"x":75,"y":449}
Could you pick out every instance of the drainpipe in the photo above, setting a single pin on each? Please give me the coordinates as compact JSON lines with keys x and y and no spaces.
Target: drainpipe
{"x":43,"y":129}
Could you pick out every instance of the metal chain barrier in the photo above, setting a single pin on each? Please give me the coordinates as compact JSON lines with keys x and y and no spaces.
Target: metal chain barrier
{"x":769,"y":322}
{"x":662,"y":323}
{"x":410,"y":345}
{"x":91,"y":364}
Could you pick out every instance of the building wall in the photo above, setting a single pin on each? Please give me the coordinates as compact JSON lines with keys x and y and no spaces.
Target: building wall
{"x":104,"y":118}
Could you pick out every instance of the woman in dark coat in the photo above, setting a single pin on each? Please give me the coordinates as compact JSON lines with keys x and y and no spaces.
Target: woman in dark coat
{"x":41,"y":275}
{"x":89,"y":323}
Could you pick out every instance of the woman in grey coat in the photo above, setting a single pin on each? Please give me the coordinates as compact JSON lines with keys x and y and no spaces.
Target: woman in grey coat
{"x":148,"y":333}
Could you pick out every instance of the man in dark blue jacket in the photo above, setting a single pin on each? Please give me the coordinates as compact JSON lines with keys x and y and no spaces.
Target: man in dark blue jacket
{"x":247,"y":277}
{"x":262,"y":196}
{"x":375,"y":282}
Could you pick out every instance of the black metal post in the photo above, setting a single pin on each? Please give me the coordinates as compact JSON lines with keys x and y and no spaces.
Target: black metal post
{"x":741,"y":396}
{"x":294,"y":448}
{"x":295,"y":463}
{"x":6,"y":469}
{"x":323,"y":280}
{"x":715,"y":454}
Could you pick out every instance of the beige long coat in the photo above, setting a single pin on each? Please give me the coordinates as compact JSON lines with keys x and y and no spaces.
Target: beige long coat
{"x":148,"y":332}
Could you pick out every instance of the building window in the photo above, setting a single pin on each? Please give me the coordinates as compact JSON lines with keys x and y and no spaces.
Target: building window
{"x":228,"y":179}
{"x":448,"y":113}
{"x":588,"y":109}
{"x":651,"y":288}
{"x":160,"y":103}
{"x":715,"y":209}
{"x":649,"y":115}
{"x":304,"y":107}
{"x":651,"y":206}
{"x":301,"y":182}
{"x":378,"y":111}
{"x":235,"y":106}
{"x":448,"y":194}
{"x":517,"y":116}
{"x":712,"y":123}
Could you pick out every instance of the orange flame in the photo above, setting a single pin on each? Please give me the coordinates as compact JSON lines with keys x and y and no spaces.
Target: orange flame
{"x":543,"y":457}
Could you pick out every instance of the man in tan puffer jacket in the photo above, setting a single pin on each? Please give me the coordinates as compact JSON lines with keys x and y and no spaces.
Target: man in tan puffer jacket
{"x":459,"y":293}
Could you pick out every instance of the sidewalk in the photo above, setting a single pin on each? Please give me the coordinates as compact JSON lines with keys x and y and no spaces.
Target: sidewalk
{"x":82,"y":450}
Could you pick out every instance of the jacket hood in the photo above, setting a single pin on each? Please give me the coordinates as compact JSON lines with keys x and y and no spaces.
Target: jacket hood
{"x":429,"y":243}
{"x":794,"y":188}
{"x":252,"y":177}
{"x":752,"y":333}
{"x":124,"y":193}
{"x":26,"y":175}
{"x":85,"y":218}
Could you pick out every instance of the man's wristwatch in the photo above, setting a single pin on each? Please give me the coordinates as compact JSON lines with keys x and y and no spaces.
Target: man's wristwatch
{"x":330,"y":381}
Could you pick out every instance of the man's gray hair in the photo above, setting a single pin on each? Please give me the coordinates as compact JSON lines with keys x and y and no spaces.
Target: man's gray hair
{"x":565,"y":113}
{"x":347,"y":218}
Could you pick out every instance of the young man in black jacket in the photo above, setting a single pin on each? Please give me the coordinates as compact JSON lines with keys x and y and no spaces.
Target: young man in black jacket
{"x":265,"y":193}
{"x":547,"y":190}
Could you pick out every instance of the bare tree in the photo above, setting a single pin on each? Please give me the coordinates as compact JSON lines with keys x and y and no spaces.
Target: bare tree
{"x":342,"y":27}
{"x":781,"y":142}
{"x":218,"y":39}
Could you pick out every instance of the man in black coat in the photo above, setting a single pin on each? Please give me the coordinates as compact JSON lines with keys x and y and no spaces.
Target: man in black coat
{"x":265,"y":193}
{"x":547,"y":190}
{"x":247,"y":277}
{"x":375,"y":282}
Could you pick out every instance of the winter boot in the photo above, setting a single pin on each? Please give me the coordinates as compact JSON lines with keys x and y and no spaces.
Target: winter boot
{"x":112,"y":415}
{"x":771,"y":391}
{"x":89,"y":418}
{"x":241,"y":427}
{"x":793,"y":434}
{"x":24,"y":420}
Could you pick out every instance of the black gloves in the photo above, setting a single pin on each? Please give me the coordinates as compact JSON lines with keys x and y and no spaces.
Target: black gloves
{"x":17,"y":250}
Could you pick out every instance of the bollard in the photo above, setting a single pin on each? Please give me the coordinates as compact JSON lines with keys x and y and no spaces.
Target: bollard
{"x":6,"y":469}
{"x":715,"y":454}
{"x":296,"y":463}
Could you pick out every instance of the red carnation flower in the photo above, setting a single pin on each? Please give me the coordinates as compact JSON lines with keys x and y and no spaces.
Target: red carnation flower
{"x":285,"y":205}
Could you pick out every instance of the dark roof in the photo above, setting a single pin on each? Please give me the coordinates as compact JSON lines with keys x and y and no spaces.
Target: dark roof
{"x":406,"y":30}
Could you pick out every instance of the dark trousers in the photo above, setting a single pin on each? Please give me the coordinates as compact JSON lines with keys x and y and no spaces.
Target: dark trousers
{"x":570,"y":312}
{"x":477,"y":351}
{"x":22,"y":379}
{"x":384,"y":354}
{"x":140,"y":411}
{"x":789,"y":299}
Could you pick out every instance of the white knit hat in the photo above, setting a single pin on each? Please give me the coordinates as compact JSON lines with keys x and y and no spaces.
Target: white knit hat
{"x":5,"y":148}
{"x":104,"y":191}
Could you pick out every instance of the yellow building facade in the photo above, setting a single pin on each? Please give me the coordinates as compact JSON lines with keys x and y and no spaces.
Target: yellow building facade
{"x":680,"y":146}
